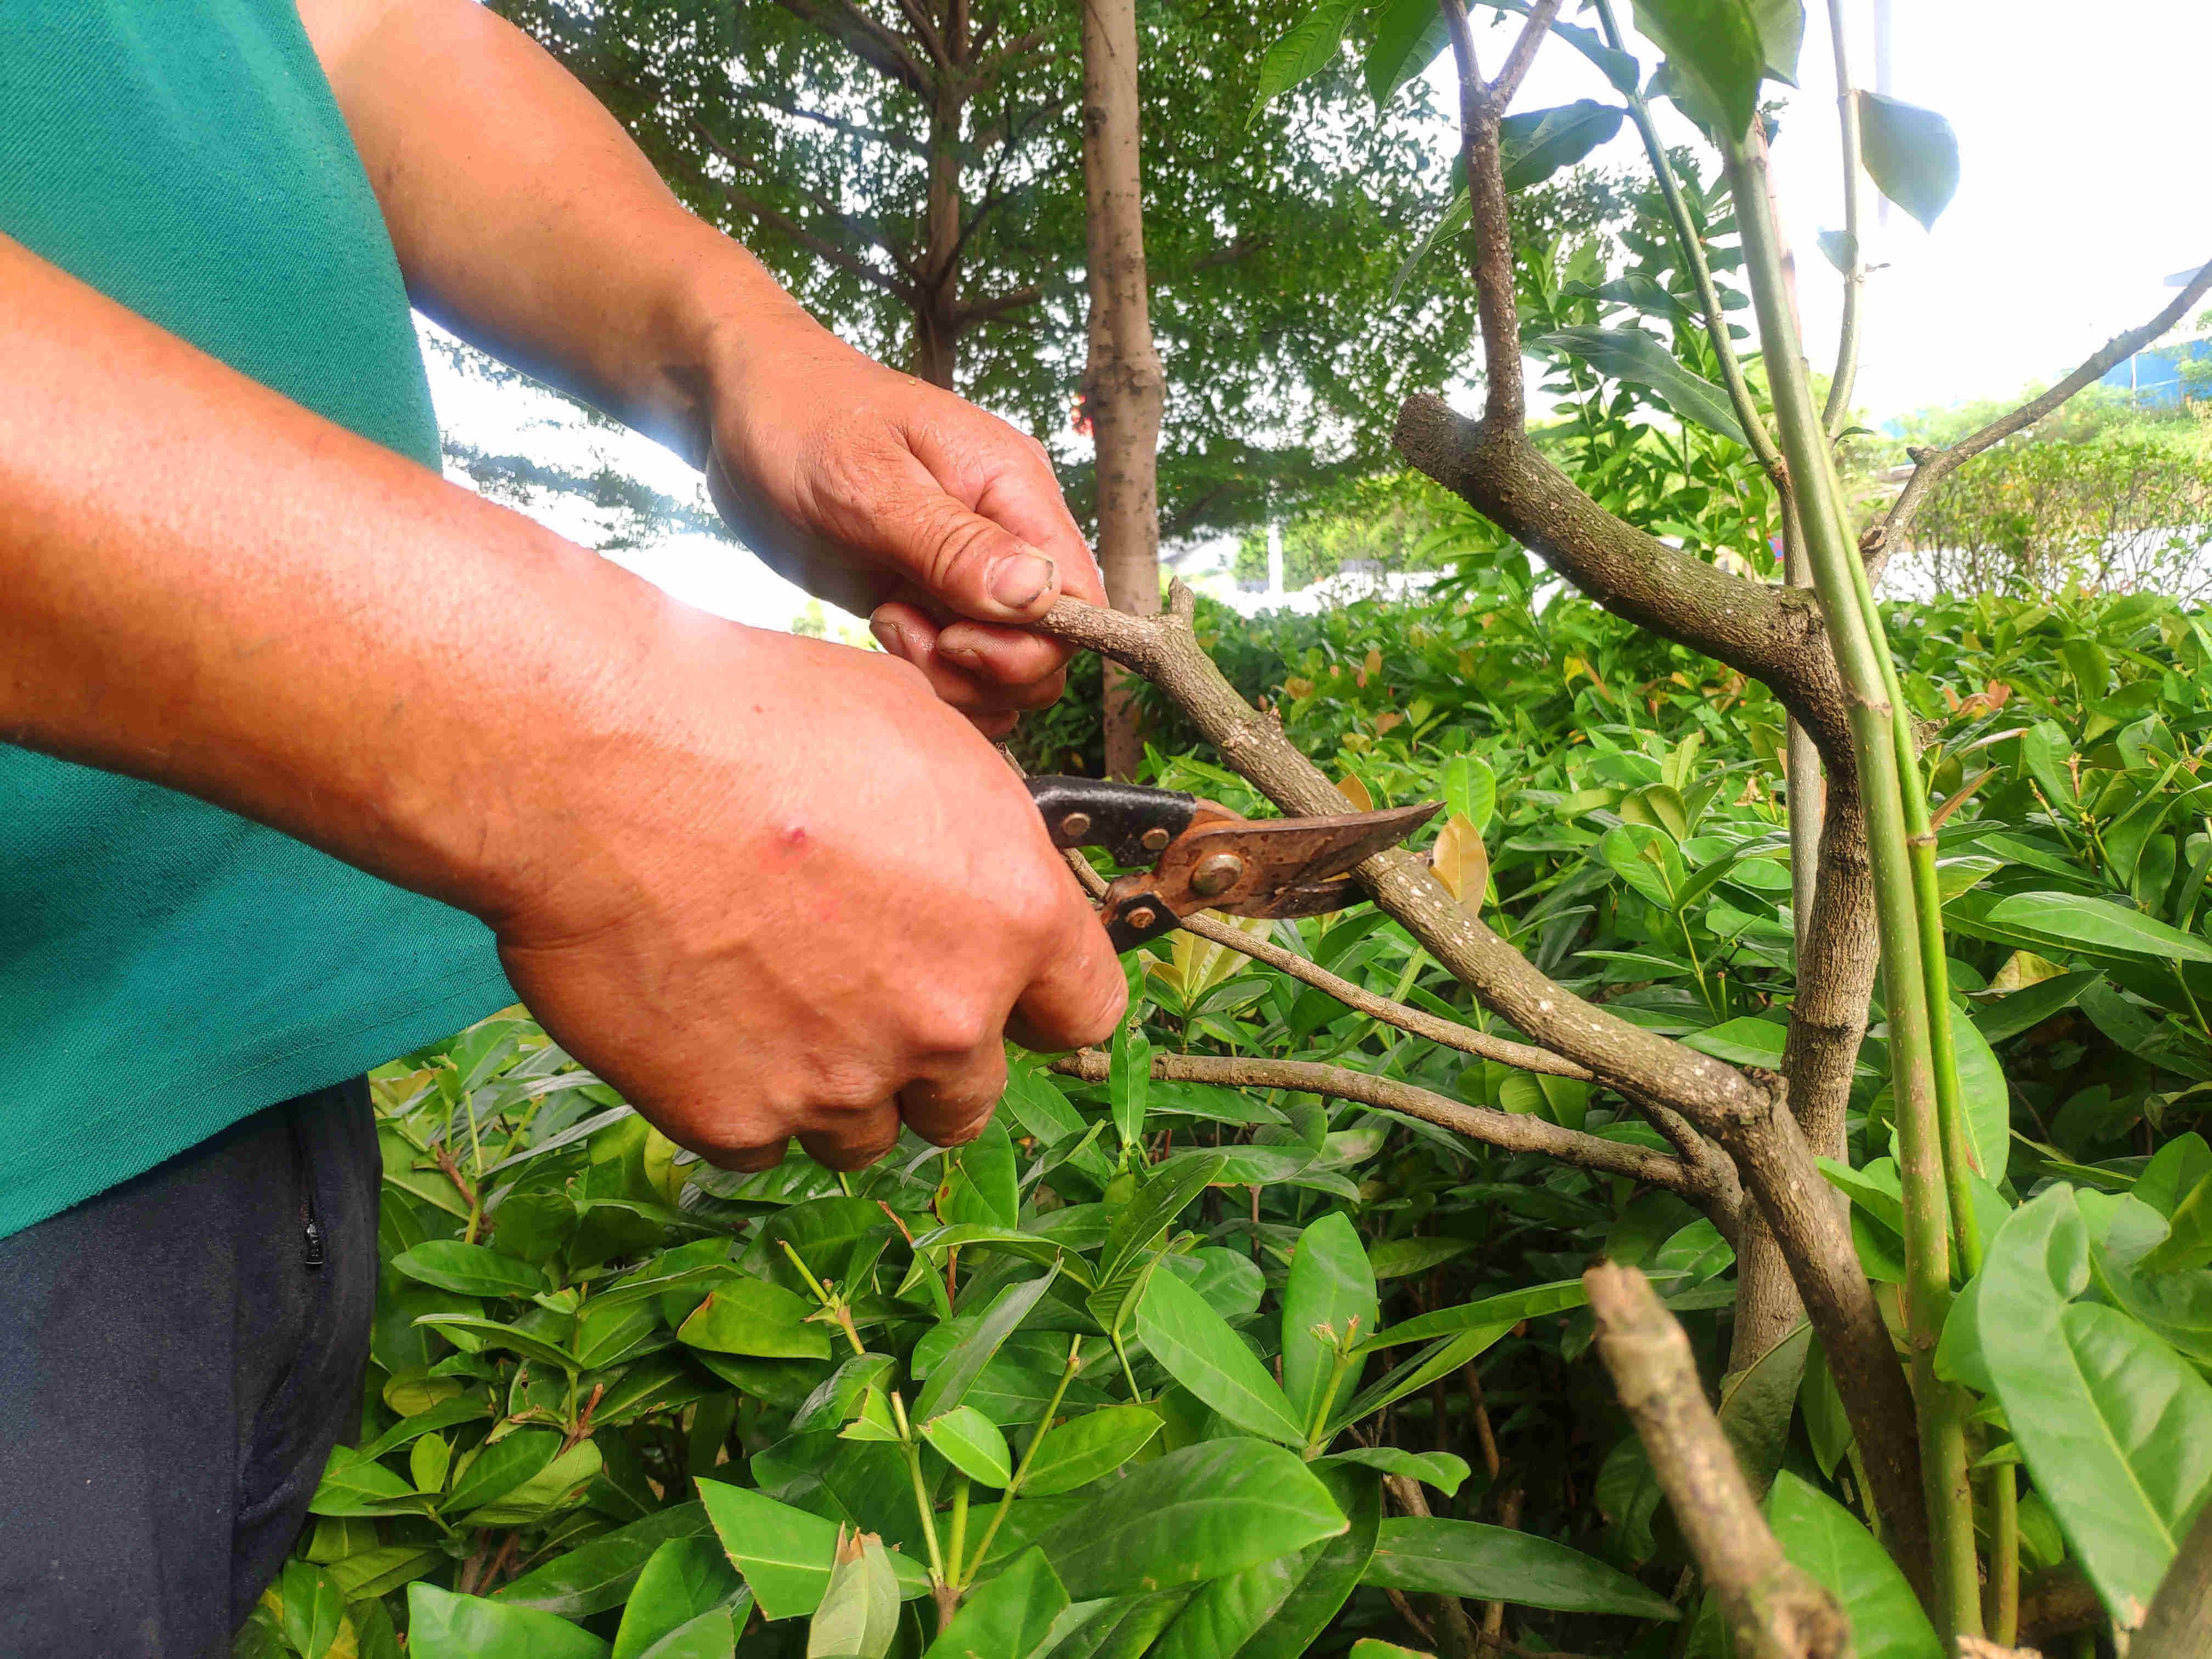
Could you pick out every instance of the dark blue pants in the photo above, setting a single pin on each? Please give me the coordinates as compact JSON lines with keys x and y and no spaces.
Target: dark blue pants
{"x":177,"y":1357}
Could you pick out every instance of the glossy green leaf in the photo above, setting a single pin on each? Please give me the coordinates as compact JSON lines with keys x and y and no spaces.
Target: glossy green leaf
{"x":1986,"y":1097}
{"x":469,"y":1269}
{"x":501,"y":1466}
{"x":442,"y":1625}
{"x":1537,"y":144}
{"x":1912,"y":157}
{"x":1781,"y":26}
{"x":1717,"y":53}
{"x":981,"y":1187}
{"x":858,"y":1617}
{"x":1825,"y":1542}
{"x":353,"y":1486}
{"x":2098,"y":925}
{"x":1214,"y":1508}
{"x":682,"y":1581}
{"x":1445,"y":1355}
{"x":785,"y":1553}
{"x":1444,"y":1471}
{"x":1508,"y":1308}
{"x":313,"y":1608}
{"x":1129,"y":1081}
{"x":1328,"y":1301}
{"x":1498,"y":1563}
{"x":1089,"y":1447}
{"x":1124,"y":1265}
{"x":711,"y":1635}
{"x":1470,"y":789}
{"x":950,"y":1379}
{"x":2188,"y":1244}
{"x":1368,"y":1648}
{"x":751,"y":1316}
{"x":599,"y":1574}
{"x":1277,"y":1607}
{"x":971,"y":1443}
{"x":1310,"y":48}
{"x":1638,"y":359}
{"x":1757,"y":1404}
{"x":1201,"y":1352}
{"x":491,"y":1334}
{"x":1009,"y":1615}
{"x":2115,"y":1427}
{"x":1645,"y":858}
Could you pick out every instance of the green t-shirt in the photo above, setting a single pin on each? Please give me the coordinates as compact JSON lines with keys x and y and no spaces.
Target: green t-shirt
{"x":166,"y":968}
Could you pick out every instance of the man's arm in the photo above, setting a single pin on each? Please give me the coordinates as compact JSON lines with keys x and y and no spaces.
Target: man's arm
{"x":528,"y":223}
{"x":764,"y":885}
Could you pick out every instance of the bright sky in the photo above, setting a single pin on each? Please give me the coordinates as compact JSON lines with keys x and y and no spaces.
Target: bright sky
{"x":2084,"y":163}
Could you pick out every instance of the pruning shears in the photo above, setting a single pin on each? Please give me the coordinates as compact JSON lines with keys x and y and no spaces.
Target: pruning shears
{"x":1198,"y":855}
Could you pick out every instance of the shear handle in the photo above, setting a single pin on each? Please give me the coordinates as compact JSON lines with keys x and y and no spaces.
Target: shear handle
{"x":1132,"y":823}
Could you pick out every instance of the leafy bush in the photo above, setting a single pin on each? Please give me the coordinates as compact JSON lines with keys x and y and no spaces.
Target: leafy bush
{"x":1134,"y":1369}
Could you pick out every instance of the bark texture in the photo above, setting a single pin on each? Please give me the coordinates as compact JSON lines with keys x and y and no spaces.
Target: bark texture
{"x":1124,"y":389}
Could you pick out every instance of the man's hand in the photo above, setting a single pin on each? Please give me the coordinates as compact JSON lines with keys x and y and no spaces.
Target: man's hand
{"x":902,"y":503}
{"x":808,"y":903}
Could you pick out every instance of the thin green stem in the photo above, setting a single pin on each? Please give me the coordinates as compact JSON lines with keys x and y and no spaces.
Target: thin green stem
{"x":1338,"y":1366}
{"x":1693,"y":258}
{"x":2002,"y":1612}
{"x":956,"y":1538}
{"x":1029,"y":1456}
{"x":1838,"y":409}
{"x":912,"y":1444}
{"x":1839,"y":578}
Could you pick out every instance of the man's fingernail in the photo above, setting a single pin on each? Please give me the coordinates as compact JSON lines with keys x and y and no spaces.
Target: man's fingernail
{"x":887,"y":634}
{"x":1018,"y":579}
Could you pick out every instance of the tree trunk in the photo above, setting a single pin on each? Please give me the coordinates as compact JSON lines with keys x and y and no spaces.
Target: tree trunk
{"x":1124,"y":389}
{"x":936,"y":313}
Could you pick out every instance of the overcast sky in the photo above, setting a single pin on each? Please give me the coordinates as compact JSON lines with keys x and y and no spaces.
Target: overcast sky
{"x":2086,"y":181}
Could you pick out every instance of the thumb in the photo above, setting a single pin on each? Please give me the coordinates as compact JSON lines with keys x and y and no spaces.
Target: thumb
{"x":965,"y":562}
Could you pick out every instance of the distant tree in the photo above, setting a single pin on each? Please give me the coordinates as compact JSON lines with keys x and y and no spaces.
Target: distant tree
{"x":913,"y":171}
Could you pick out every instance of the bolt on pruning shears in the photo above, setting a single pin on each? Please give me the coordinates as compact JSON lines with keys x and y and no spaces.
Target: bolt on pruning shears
{"x":1199,"y":855}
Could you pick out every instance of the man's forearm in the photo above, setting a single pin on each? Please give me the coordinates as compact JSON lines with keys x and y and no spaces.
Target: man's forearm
{"x":527,"y":220}
{"x":204,"y":585}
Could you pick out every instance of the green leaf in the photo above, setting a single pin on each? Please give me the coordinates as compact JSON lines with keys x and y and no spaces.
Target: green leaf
{"x":566,"y":1474}
{"x":1470,"y":787}
{"x":501,"y":1466}
{"x":1747,"y":1040}
{"x":313,"y":1608}
{"x":1781,"y":26}
{"x":1436,"y":1360}
{"x":1401,"y":1258}
{"x":1331,"y":1288}
{"x":1823,"y":1541}
{"x":2025,"y":1009}
{"x":2188,"y":1243}
{"x":1308,"y":49}
{"x":1201,"y":1352}
{"x":949,"y":1380}
{"x":1267,"y":1605}
{"x":1458,"y":214}
{"x":859,"y":1616}
{"x":751,"y":1316}
{"x":784,"y":1552}
{"x":1718,"y":55}
{"x":1009,"y":1616}
{"x":1757,"y":1403}
{"x":1536,"y":144}
{"x":2098,"y":925}
{"x":1987,"y":1100}
{"x":1368,"y":1648}
{"x":1912,"y":157}
{"x":981,"y":1187}
{"x":710,"y":1635}
{"x":353,"y":1486}
{"x":1128,"y":1081}
{"x":1508,"y":1308}
{"x":1443,"y":1470}
{"x":682,"y":1581}
{"x":1214,"y":1508}
{"x":1125,"y":1262}
{"x":1498,"y":1563}
{"x":600,"y":1576}
{"x":1637,"y":358}
{"x":971,"y":1443}
{"x":441,"y":1625}
{"x":491,"y":1334}
{"x":470,"y":1269}
{"x":1089,"y":1447}
{"x":1409,"y":36}
{"x":1840,"y":248}
{"x":2115,"y":1427}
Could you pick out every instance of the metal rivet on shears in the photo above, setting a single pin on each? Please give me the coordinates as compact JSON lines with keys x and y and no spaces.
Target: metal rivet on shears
{"x":1075,"y":826}
{"x":1217,"y":872}
{"x":1142,"y":916}
{"x":1153,"y":840}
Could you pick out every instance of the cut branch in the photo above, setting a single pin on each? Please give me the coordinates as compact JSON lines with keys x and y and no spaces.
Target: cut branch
{"x":1511,"y":1131}
{"x":1932,"y":467}
{"x":1745,"y":1115}
{"x":1774,"y":1610}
